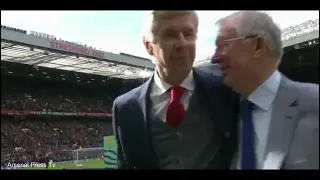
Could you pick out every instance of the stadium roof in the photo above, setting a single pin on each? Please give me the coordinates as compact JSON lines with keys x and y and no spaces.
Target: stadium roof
{"x":301,"y":29}
{"x":19,"y":47}
{"x":44,"y":58}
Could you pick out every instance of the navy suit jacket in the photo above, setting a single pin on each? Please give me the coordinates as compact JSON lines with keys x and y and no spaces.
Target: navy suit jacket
{"x":132,"y":127}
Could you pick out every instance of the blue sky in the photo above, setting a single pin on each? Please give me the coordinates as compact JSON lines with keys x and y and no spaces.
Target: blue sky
{"x":122,"y":31}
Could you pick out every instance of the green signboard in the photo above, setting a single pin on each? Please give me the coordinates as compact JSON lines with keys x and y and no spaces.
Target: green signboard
{"x":110,"y":152}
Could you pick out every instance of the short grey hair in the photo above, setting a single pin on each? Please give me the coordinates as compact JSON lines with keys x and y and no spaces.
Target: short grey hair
{"x":257,"y":23}
{"x":155,"y":16}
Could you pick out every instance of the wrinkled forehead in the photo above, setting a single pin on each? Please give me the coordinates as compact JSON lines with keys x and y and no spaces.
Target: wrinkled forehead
{"x":186,"y":22}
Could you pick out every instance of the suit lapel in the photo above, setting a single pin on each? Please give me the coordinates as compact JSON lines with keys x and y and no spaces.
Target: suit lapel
{"x":144,"y":99}
{"x":145,"y":104}
{"x":282,"y":126}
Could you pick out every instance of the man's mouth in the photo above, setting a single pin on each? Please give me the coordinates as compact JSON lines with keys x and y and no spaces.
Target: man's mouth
{"x":215,"y":60}
{"x":224,"y":68}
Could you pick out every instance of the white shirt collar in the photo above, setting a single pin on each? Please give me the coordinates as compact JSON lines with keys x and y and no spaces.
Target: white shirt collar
{"x":264,"y":95}
{"x":188,"y":83}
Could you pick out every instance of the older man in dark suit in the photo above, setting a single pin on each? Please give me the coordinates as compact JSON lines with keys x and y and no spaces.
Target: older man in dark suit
{"x":182,"y":117}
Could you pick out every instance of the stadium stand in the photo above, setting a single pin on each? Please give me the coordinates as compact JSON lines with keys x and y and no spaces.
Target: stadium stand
{"x":48,"y":118}
{"x":28,"y":136}
{"x":302,"y":64}
{"x":50,"y":114}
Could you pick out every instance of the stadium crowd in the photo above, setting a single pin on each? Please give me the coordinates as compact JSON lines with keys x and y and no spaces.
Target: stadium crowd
{"x":26,"y":138}
{"x":19,"y":94}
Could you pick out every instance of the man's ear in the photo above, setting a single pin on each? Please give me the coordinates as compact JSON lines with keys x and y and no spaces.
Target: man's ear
{"x":148,"y":46}
{"x":260,"y":46}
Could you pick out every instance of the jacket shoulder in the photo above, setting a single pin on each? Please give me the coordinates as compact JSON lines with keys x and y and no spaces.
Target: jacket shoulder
{"x":128,"y":97}
{"x":308,"y":94}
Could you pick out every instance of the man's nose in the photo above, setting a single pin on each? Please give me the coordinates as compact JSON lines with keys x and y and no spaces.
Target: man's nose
{"x":215,"y":58}
{"x":181,"y":41}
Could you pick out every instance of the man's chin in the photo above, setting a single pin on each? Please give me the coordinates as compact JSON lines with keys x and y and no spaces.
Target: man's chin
{"x":182,"y":67}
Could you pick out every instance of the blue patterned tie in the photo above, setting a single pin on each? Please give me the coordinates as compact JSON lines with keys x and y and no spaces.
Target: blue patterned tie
{"x":247,"y":137}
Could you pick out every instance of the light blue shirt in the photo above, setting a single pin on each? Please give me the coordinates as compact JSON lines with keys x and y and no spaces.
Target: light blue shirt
{"x":263,"y":98}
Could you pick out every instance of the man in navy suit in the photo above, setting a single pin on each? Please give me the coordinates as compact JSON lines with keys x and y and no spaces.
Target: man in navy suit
{"x":182,"y":117}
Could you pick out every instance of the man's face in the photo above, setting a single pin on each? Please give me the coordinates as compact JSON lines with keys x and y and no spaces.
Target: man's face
{"x":174,"y":42}
{"x":234,"y":54}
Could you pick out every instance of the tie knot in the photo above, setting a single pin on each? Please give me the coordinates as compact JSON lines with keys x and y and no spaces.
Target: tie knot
{"x":176,"y":93}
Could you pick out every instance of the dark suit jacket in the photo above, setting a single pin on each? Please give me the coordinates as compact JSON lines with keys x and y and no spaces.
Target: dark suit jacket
{"x":132,"y":129}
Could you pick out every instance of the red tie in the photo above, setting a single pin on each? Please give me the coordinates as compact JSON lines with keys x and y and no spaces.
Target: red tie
{"x":176,"y":111}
